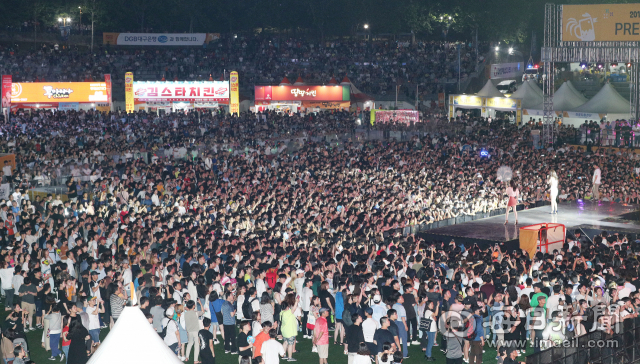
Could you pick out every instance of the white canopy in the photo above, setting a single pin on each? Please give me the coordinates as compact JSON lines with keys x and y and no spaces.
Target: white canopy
{"x":607,"y":100}
{"x":489,"y":90}
{"x":534,"y":85}
{"x":133,"y":341}
{"x":567,"y":98}
{"x":528,"y":95}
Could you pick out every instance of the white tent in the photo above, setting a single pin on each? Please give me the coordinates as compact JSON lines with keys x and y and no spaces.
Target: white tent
{"x":606,"y":101}
{"x":489,"y":90}
{"x":133,"y":341}
{"x":535,"y":87}
{"x":565,"y":99}
{"x":575,"y":91}
{"x":528,"y":95}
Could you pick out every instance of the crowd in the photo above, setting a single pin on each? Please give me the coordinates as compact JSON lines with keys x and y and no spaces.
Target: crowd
{"x":226,"y":229}
{"x":375,"y":66}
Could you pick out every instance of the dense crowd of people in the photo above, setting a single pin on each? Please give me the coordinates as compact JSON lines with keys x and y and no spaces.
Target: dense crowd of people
{"x":256,"y":229}
{"x":376,"y":67}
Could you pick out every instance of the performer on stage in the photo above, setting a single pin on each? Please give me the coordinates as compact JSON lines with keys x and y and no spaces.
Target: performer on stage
{"x":512,"y":193}
{"x":553,"y":182}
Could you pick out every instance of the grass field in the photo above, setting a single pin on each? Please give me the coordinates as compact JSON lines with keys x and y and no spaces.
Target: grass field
{"x":305,"y":356}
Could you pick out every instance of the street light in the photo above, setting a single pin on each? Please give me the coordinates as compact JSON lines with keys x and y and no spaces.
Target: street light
{"x":366,"y":26}
{"x":510,"y":50}
{"x":80,"y":22}
{"x":64,"y":21}
{"x":497,"y":49}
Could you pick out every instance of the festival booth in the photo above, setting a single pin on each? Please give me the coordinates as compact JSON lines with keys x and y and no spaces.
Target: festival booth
{"x":290,"y":98}
{"x":528,"y":95}
{"x":170,"y":96}
{"x":544,"y":237}
{"x":606,"y":103}
{"x":62,"y":96}
{"x":488,"y":100}
{"x":565,"y":99}
{"x":132,"y":340}
{"x":359,"y":100}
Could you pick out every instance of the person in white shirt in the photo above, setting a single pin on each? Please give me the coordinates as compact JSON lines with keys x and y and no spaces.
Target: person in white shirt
{"x":271,"y":349}
{"x":94,"y":307}
{"x":596,"y":182}
{"x":172,"y":338}
{"x":260,"y":286}
{"x":369,"y":326}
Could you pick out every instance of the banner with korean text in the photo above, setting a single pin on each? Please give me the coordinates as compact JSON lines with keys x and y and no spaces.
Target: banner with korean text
{"x":6,"y":90}
{"x":159,"y":39}
{"x":128,"y":91}
{"x":234,"y":97}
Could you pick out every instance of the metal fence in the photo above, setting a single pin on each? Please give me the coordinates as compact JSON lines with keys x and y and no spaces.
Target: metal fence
{"x":596,"y":347}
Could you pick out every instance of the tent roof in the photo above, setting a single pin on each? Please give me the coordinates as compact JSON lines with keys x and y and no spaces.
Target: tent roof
{"x":489,"y":90}
{"x":607,"y":100}
{"x":333,"y":81}
{"x":285,"y":81}
{"x":535,"y":87}
{"x":345,"y":81}
{"x":356,"y":95}
{"x":576,"y":92}
{"x":528,"y":95}
{"x":133,"y":341}
{"x":299,"y":81}
{"x":565,"y":99}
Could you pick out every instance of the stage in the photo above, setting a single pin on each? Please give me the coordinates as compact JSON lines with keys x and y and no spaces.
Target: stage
{"x":589,"y":216}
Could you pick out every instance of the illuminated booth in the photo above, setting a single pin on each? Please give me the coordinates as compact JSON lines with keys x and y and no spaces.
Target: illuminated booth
{"x":488,"y":100}
{"x":61,"y":96}
{"x":170,"y":96}
{"x":297,"y":97}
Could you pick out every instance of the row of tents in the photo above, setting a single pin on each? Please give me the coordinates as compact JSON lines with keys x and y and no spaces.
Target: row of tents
{"x":568,"y":102}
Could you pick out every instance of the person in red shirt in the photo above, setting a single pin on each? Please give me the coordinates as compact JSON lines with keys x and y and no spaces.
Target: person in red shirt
{"x":321,"y":335}
{"x":65,"y":336}
{"x":262,"y":337}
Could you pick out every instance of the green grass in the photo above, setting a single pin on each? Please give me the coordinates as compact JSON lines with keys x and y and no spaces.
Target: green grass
{"x":305,"y":356}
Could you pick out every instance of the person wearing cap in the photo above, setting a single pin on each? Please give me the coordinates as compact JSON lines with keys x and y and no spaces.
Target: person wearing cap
{"x":320,"y":336}
{"x":172,"y":336}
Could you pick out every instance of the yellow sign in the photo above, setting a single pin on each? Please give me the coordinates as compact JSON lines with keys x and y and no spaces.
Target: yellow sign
{"x":128,"y":91}
{"x":602,"y":22}
{"x":234,"y":96}
{"x":464,"y":100}
{"x":501,"y":103}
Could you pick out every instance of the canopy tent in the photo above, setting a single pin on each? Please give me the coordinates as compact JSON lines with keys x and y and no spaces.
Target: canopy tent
{"x":358,"y":98}
{"x":132,"y":340}
{"x":299,"y":81}
{"x":565,"y":99}
{"x":608,"y":101}
{"x":575,"y":91}
{"x":489,"y":90}
{"x":534,"y":85}
{"x":528,"y":94}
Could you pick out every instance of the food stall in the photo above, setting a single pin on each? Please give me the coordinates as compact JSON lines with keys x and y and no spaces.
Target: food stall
{"x":294,"y":98}
{"x":169,"y":96}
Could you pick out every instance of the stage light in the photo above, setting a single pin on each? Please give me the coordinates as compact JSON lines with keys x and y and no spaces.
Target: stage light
{"x":583,"y":65}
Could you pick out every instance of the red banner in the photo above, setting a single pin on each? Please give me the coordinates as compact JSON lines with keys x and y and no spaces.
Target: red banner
{"x":107,"y":80}
{"x":6,"y":90}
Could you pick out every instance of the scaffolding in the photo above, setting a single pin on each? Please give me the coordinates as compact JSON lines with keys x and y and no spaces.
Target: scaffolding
{"x":555,"y":50}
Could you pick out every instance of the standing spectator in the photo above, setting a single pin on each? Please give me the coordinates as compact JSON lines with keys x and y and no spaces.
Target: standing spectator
{"x":28,"y":294}
{"x":364,"y":355}
{"x":229,"y":324}
{"x":321,"y":335}
{"x":205,"y":337}
{"x":192,"y":326}
{"x":118,"y":300}
{"x":369,"y":328}
{"x":401,"y":322}
{"x":290,"y":327}
{"x":410,"y":305}
{"x":6,"y":275}
{"x":78,"y":335}
{"x":55,"y":329}
{"x":172,"y":335}
{"x":94,"y":310}
{"x":158,"y":314}
{"x":454,"y":345}
{"x":261,"y":338}
{"x":478,"y":341}
{"x":66,"y":341}
{"x":430,"y":325}
{"x":355,"y":337}
{"x":272,"y":350}
{"x":244,"y":346}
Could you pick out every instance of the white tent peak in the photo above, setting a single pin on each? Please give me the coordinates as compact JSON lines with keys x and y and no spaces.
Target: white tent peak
{"x":607,"y":100}
{"x":567,"y":98}
{"x":528,"y":95}
{"x":489,"y":90}
{"x":535,"y":87}
{"x":132,"y":340}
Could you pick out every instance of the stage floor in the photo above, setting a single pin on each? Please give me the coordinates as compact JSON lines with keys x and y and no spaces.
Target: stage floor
{"x":583,"y":214}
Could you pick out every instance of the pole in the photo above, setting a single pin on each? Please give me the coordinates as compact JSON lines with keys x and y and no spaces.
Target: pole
{"x":476,"y":43}
{"x":396,"y":97}
{"x":92,"y":11}
{"x":458,"y":67}
{"x":416,"y":96}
